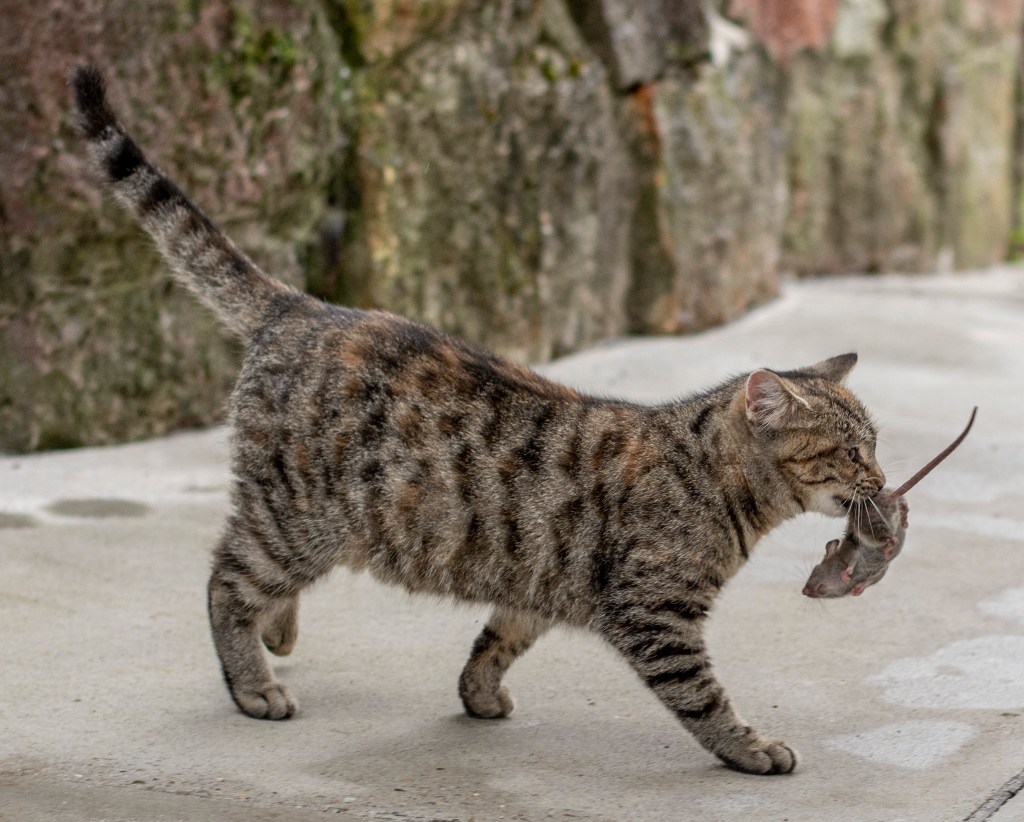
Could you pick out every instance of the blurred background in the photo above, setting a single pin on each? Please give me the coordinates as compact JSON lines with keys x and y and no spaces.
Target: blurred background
{"x":533,"y":175}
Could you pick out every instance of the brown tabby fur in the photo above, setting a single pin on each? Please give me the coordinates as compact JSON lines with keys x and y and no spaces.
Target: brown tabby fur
{"x":368,"y":440}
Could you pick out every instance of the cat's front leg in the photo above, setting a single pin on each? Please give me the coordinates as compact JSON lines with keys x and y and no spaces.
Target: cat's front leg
{"x":665,"y":645}
{"x":507,"y":636}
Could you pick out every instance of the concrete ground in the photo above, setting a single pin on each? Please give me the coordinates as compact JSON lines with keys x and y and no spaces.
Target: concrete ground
{"x":906,"y":703}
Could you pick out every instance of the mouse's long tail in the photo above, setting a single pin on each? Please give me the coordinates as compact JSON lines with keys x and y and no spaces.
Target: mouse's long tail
{"x":199,"y":253}
{"x":920,"y":475}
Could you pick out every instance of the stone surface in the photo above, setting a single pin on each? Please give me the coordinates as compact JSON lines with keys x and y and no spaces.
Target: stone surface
{"x":488,"y":166}
{"x":902,"y":137}
{"x":639,"y":40}
{"x":534,"y":175}
{"x":707,"y":228}
{"x":789,"y":27}
{"x":96,"y":345}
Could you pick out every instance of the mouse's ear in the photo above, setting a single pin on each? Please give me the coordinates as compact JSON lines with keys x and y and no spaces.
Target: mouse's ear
{"x":831,"y":547}
{"x":772,"y":401}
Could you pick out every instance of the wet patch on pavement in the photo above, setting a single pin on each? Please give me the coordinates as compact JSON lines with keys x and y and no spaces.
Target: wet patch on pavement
{"x":17,"y":520}
{"x":98,"y":508}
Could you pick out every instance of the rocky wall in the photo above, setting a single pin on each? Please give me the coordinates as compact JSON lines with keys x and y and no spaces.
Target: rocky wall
{"x":901,"y":138}
{"x":96,"y":344}
{"x":541,"y":175}
{"x":534,"y":175}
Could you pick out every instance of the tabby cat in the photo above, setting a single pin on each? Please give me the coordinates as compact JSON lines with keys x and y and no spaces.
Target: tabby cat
{"x":364,"y":439}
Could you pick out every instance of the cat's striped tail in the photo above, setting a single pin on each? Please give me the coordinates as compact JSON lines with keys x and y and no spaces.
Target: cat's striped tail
{"x":199,"y":253}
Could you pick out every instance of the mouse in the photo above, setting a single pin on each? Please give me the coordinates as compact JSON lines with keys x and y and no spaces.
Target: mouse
{"x":875,"y":533}
{"x":860,"y":560}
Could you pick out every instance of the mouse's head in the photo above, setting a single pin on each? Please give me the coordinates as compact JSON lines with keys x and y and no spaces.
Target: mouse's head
{"x":833,"y":576}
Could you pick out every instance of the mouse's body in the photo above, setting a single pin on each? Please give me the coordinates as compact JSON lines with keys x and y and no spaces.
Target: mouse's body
{"x":875,"y":532}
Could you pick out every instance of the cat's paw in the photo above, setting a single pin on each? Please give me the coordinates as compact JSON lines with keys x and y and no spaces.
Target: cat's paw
{"x":271,"y":701}
{"x":765,"y":757}
{"x":495,"y":705}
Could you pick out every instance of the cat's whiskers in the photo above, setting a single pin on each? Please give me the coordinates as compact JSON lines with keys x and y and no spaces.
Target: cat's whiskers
{"x":881,"y":516}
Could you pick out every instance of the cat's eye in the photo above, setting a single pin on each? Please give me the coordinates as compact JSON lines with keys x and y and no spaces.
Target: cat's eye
{"x":854,"y":455}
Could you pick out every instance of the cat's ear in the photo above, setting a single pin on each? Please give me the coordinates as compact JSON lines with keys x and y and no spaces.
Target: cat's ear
{"x":771,"y":400}
{"x":834,"y":368}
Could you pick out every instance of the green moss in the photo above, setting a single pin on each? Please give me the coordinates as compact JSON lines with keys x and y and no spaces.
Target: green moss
{"x":63,"y":423}
{"x":56,"y":438}
{"x":350,"y":20}
{"x":15,"y":284}
{"x":190,"y":10}
{"x":1016,"y":252}
{"x":259,"y":59}
{"x":549,"y":70}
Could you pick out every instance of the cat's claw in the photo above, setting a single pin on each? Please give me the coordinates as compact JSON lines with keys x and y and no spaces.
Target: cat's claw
{"x":767,"y":757}
{"x":489,"y":706}
{"x":272,"y":701}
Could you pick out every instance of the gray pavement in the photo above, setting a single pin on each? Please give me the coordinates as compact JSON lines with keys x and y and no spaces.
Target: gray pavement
{"x":906,"y":703}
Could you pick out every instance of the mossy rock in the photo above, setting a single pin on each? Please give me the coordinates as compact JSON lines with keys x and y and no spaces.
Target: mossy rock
{"x":96,"y":344}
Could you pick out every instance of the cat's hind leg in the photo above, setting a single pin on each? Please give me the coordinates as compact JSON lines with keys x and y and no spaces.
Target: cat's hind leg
{"x":281,"y":627}
{"x":248,"y":590}
{"x":665,"y":645}
{"x":507,"y":635}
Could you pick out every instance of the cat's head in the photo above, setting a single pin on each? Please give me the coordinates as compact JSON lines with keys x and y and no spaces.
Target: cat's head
{"x":820,"y":435}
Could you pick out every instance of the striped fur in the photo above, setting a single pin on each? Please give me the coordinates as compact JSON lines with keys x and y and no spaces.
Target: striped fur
{"x":368,"y":440}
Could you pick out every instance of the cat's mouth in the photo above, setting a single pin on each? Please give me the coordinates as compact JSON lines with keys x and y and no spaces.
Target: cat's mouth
{"x":845,"y":504}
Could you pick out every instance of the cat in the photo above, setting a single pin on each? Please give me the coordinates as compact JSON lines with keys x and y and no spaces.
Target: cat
{"x":364,"y":439}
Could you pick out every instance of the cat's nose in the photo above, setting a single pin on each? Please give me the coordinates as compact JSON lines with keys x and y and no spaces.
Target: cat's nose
{"x":879,"y":478}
